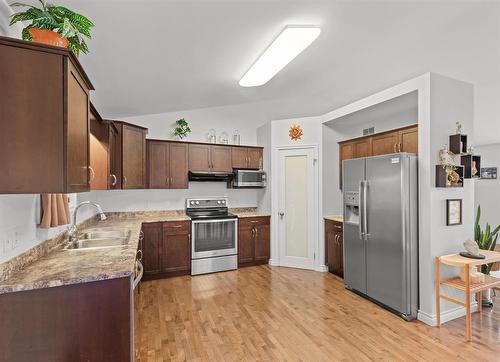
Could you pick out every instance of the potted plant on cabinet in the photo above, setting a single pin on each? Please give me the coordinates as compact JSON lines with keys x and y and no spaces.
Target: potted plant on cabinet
{"x":486,"y":240}
{"x":54,"y":25}
{"x":182,"y":128}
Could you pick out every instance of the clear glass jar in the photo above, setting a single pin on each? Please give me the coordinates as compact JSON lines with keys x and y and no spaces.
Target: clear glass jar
{"x":236,"y":137}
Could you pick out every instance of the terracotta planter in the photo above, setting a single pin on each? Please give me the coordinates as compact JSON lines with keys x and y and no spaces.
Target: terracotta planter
{"x":49,"y":37}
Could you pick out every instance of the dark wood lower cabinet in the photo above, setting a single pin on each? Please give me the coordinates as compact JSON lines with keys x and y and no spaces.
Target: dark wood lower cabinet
{"x":79,"y":322}
{"x":166,"y":249}
{"x":254,"y":239}
{"x":334,"y":247}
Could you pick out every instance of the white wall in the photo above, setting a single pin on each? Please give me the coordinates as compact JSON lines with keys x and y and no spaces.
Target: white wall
{"x":243,"y":118}
{"x":487,"y":192}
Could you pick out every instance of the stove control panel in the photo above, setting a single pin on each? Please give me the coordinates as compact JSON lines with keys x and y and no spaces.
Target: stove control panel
{"x":209,"y":202}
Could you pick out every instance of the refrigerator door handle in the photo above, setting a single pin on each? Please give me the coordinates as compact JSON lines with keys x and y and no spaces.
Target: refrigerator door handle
{"x":365,"y":213}
{"x":361,"y":210}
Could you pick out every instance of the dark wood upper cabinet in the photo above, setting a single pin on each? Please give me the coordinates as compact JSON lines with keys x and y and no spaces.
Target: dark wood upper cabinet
{"x":99,"y":151}
{"x":133,"y":155}
{"x":178,"y":170}
{"x":167,"y":164}
{"x":246,"y":157}
{"x":404,"y":139}
{"x":115,"y":157}
{"x":199,"y":157}
{"x":385,"y":143}
{"x":220,"y":158}
{"x":209,"y":158}
{"x":254,"y":240}
{"x":44,"y":109}
{"x":408,"y":139}
{"x":157,"y":164}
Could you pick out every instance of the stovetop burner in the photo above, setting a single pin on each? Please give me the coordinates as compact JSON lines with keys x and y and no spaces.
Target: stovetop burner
{"x":208,"y":208}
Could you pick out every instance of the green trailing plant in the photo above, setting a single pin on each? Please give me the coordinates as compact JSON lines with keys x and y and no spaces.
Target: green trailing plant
{"x":182,"y":129}
{"x":485,"y":239}
{"x":70,"y":25}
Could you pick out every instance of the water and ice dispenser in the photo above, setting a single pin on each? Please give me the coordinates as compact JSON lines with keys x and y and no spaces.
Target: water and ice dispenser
{"x":351,"y":205}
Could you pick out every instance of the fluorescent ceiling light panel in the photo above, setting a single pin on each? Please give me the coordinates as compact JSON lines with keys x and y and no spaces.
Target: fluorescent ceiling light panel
{"x":290,"y":43}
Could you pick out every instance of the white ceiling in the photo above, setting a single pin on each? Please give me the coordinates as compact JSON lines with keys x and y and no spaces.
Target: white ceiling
{"x":152,"y":56}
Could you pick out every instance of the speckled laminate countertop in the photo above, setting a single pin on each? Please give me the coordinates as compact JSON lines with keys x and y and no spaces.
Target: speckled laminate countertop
{"x":248,"y":212}
{"x":338,"y":218}
{"x":65,"y":267}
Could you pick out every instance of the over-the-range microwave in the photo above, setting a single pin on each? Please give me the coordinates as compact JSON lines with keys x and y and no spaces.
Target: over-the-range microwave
{"x":249,"y":178}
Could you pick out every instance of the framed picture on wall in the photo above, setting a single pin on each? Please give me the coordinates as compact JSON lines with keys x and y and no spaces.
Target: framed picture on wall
{"x":453,"y":212}
{"x":489,"y":173}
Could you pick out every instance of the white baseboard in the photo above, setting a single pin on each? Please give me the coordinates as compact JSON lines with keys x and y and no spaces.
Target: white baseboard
{"x":321,"y":268}
{"x":445,"y":316}
{"x":273,"y":262}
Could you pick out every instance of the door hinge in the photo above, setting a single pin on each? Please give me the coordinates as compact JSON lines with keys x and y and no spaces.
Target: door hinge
{"x":314,"y":255}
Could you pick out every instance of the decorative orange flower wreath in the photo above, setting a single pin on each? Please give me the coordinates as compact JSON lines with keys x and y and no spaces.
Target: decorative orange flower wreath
{"x":295,"y":132}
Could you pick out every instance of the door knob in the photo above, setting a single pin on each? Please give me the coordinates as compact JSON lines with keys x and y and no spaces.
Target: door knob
{"x":281,"y":214}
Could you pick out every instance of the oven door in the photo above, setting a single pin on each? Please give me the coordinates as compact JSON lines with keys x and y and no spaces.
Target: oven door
{"x":214,"y":238}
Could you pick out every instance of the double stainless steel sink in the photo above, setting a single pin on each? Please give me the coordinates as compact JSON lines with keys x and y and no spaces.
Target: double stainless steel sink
{"x":100,"y":238}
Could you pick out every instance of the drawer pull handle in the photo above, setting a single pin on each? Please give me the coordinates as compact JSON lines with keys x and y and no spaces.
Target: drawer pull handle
{"x":177,"y":226}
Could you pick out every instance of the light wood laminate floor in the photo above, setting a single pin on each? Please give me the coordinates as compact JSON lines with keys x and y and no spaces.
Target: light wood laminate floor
{"x":271,"y":313}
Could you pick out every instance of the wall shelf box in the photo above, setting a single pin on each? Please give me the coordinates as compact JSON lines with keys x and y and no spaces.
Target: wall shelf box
{"x":467,"y":161}
{"x":458,"y":143}
{"x":441,"y":176}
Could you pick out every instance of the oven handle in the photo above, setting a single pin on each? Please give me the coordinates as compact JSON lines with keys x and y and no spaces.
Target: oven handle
{"x":205,"y":221}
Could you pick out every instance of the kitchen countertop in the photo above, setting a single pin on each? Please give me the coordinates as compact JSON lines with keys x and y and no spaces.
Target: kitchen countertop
{"x":248,"y":212}
{"x":64,"y":267}
{"x":338,"y":218}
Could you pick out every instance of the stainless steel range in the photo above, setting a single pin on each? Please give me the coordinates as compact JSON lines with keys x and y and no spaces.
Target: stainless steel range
{"x":214,"y":235}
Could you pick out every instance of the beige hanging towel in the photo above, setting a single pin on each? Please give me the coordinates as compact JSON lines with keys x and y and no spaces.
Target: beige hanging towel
{"x":55,"y":210}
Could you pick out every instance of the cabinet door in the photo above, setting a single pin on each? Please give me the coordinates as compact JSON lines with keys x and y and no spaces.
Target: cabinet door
{"x":151,"y":245}
{"x":385,"y":143}
{"x":199,"y":157}
{"x":363,"y":148}
{"x":246,"y":244}
{"x":340,"y":248}
{"x":158,"y":165}
{"x":221,"y":158}
{"x":408,"y":139}
{"x":133,"y":157}
{"x":178,"y":165}
{"x":254,"y":158}
{"x":239,"y":157}
{"x":262,"y":236}
{"x":78,"y":178}
{"x":115,"y":168}
{"x":99,"y":153}
{"x":346,"y":152}
{"x":330,"y":238}
{"x":176,"y":247}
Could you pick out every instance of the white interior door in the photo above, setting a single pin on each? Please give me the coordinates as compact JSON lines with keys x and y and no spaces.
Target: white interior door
{"x":297,"y":207}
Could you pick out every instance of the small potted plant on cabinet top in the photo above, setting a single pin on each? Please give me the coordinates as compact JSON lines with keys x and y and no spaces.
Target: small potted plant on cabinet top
{"x":54,"y":25}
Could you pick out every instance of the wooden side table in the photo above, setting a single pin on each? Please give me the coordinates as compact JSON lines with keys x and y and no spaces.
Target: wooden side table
{"x":464,"y":285}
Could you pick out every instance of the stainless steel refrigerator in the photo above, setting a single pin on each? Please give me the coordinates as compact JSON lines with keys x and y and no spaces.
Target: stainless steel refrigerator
{"x":381,"y":230}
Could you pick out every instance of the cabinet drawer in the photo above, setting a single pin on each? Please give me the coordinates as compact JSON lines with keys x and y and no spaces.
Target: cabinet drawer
{"x":254,"y":221}
{"x":333,"y":226}
{"x":177,"y":227}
